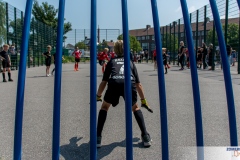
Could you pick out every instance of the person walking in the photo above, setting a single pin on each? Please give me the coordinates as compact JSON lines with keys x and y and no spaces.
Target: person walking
{"x":181,"y":55}
{"x":77,"y":53}
{"x":6,"y":63}
{"x":114,"y":78}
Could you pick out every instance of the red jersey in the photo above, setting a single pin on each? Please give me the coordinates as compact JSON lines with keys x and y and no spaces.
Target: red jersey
{"x":103,"y":56}
{"x":77,"y":54}
{"x":154,"y":53}
{"x":112,"y":54}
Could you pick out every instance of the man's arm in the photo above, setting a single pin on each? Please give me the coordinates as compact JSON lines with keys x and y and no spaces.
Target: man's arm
{"x":140,"y":90}
{"x":101,"y":88}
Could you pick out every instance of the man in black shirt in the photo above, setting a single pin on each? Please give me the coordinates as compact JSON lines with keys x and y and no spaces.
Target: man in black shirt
{"x":114,"y":77}
{"x":48,"y":56}
{"x":181,"y":55}
{"x":6,"y":63}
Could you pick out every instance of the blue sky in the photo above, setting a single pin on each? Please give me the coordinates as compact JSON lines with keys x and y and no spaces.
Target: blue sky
{"x":109,"y":12}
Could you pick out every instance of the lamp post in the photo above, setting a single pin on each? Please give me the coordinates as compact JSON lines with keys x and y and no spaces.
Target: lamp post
{"x":147,"y":38}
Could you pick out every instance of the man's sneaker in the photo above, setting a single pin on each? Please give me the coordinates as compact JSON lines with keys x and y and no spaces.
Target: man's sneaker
{"x":99,"y":139}
{"x":10,"y":80}
{"x":147,"y":141}
{"x":4,"y":80}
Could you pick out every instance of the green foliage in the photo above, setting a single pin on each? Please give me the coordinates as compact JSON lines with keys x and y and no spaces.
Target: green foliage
{"x":81,"y":45}
{"x":134,"y":43}
{"x":3,"y":31}
{"x":170,"y":44}
{"x":16,"y":31}
{"x":48,"y":15}
{"x":232,"y":37}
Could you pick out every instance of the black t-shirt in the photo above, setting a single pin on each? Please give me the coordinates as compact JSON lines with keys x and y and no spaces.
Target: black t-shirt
{"x":228,"y":49}
{"x":48,"y":54}
{"x":164,"y":57}
{"x":4,"y":54}
{"x":205,"y":52}
{"x":114,"y":72}
{"x":181,"y":49}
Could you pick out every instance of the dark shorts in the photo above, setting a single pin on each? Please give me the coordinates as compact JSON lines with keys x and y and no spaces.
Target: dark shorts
{"x":48,"y":61}
{"x":77,"y":59}
{"x":114,"y":91}
{"x":101,"y":62}
{"x":5,"y":64}
{"x":155,"y":58}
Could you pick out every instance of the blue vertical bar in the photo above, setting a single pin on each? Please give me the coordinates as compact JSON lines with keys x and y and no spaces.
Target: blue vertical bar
{"x":93,"y":82}
{"x":127,"y":82}
{"x":21,"y":83}
{"x":161,"y":82}
{"x":57,"y":83}
{"x":227,"y":75}
{"x":195,"y":83}
{"x":238,"y":1}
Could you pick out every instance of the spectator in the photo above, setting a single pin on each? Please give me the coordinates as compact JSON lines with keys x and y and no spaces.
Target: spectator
{"x":233,"y":57}
{"x":204,"y":54}
{"x":146,"y":56}
{"x":181,"y":55}
{"x":211,"y":57}
{"x":229,"y":53}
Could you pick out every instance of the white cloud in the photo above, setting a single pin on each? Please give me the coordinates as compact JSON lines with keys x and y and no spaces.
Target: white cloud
{"x":178,"y":9}
{"x":191,"y":9}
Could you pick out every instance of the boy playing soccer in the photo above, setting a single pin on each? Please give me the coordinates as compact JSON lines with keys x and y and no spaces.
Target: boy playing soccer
{"x":114,"y":77}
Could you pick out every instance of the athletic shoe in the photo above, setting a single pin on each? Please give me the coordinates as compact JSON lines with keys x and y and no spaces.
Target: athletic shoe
{"x":10,"y":80}
{"x":99,"y":139}
{"x":147,"y":141}
{"x":4,"y":80}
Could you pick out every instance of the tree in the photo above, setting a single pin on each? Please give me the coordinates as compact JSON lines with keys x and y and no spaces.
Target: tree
{"x":81,"y":45}
{"x":47,"y":14}
{"x":3,"y":31}
{"x":134,"y":43}
{"x":16,"y":31}
{"x":170,"y":44}
{"x":232,"y":37}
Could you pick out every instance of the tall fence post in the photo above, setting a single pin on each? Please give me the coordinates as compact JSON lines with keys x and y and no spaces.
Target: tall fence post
{"x":161,"y":82}
{"x":93,"y":81}
{"x":57,"y":83}
{"x":174,"y":42}
{"x":214,"y":46}
{"x":33,"y":47}
{"x":227,"y":76}
{"x":226,"y":22}
{"x":170,"y":38}
{"x":196,"y":37}
{"x":7,"y":23}
{"x":127,"y":82}
{"x":195,"y":83}
{"x":205,"y":23}
{"x":238,"y":55}
{"x":38,"y":43}
{"x":21,"y":83}
{"x":179,"y":36}
{"x":166,"y":36}
{"x":14,"y":59}
{"x":163,"y":36}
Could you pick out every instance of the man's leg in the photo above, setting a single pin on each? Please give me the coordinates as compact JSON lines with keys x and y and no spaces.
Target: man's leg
{"x":9,"y":74}
{"x":3,"y":75}
{"x":140,"y":120}
{"x":102,"y":116}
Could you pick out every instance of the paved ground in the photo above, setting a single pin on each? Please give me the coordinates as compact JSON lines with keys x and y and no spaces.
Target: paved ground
{"x":37,"y":123}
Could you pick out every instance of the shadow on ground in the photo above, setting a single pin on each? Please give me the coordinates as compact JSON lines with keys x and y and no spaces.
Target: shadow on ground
{"x":72,"y":151}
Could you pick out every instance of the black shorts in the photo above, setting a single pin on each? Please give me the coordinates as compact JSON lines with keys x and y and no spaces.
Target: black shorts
{"x":77,"y":59}
{"x":5,"y":64}
{"x":155,"y":58}
{"x":101,"y":62}
{"x":48,"y":61}
{"x":114,"y":91}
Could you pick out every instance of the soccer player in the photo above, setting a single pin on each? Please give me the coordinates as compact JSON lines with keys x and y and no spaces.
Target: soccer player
{"x":54,"y":58}
{"x":77,"y":53}
{"x":114,"y":78}
{"x":48,"y":58}
{"x":6,"y":63}
{"x":102,"y":57}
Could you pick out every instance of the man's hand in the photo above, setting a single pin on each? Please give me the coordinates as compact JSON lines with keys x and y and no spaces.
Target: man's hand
{"x":144,"y":104}
{"x":99,"y":98}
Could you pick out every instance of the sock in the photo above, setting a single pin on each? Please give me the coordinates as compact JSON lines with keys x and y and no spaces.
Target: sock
{"x":140,"y":120}
{"x":3,"y":74}
{"x":101,"y":120}
{"x":9,"y":75}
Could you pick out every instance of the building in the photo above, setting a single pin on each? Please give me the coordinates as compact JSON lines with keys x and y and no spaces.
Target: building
{"x":146,"y":35}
